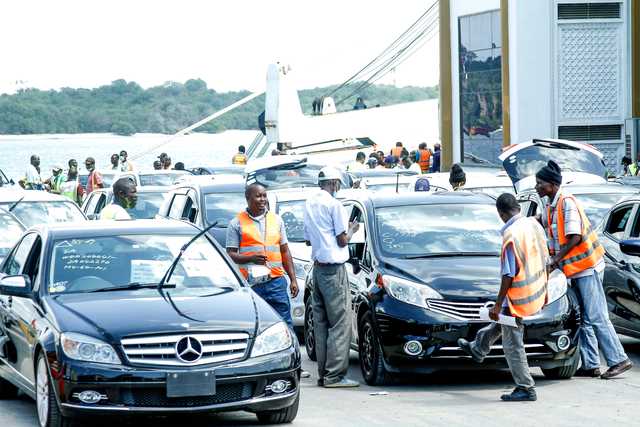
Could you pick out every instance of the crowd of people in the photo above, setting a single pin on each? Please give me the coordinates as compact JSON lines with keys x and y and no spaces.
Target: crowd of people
{"x":422,"y":160}
{"x":67,"y":182}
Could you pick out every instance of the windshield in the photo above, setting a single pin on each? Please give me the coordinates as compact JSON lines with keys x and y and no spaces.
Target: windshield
{"x":292,"y":214}
{"x":107,"y":178}
{"x":305,"y":176}
{"x":438,"y":229}
{"x":147,"y":206}
{"x":402,"y":186}
{"x":528,"y":161}
{"x":160,"y":179}
{"x":494,"y":192}
{"x":10,"y":232}
{"x":33,"y":213}
{"x":597,"y":205}
{"x":87,"y":264}
{"x":223,"y":207}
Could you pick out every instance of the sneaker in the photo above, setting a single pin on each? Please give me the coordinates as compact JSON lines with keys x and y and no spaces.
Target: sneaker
{"x":343,"y":383}
{"x":589,"y":373}
{"x":305,"y":374}
{"x":616,"y":370}
{"x":520,"y":394}
{"x":466,"y":347}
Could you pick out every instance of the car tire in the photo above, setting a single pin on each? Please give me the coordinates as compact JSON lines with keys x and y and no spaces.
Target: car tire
{"x":309,"y":335}
{"x":49,"y":414}
{"x":564,"y":372}
{"x":7,"y":389}
{"x":280,"y":416}
{"x":370,"y":354}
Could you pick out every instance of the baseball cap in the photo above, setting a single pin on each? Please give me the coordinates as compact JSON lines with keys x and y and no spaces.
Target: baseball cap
{"x":329,"y":173}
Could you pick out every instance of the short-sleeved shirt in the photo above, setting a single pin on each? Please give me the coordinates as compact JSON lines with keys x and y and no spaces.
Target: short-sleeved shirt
{"x":572,"y":225}
{"x":324,"y":219}
{"x":234,"y":232}
{"x":114,"y":211}
{"x":94,"y":178}
{"x":33,"y":178}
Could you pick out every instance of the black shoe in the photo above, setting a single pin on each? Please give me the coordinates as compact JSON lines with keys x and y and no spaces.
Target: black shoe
{"x":520,"y":394}
{"x":320,"y":382}
{"x":588,"y":373}
{"x":615,"y":370}
{"x":466,"y":347}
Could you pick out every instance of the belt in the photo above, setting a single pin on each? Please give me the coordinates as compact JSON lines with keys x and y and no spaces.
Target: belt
{"x":323,"y":264}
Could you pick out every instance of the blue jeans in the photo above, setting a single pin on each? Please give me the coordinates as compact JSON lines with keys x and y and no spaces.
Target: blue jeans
{"x":596,"y":327}
{"x":274,"y":292}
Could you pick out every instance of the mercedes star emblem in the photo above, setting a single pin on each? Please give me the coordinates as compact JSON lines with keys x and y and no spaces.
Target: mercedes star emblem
{"x":189,"y":349}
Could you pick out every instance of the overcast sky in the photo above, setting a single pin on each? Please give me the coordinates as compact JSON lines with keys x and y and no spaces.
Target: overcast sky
{"x":72,"y":43}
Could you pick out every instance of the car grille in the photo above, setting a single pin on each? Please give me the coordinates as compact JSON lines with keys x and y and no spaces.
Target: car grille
{"x":157,"y":397}
{"x":161,"y":350}
{"x":467,"y":311}
{"x":496,"y":352}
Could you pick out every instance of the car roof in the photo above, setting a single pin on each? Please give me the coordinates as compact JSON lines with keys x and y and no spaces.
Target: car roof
{"x":605,"y":187}
{"x":162,"y":172}
{"x":214,"y":183}
{"x":115,"y":228}
{"x":12,"y":194}
{"x":139,"y":189}
{"x":388,"y":199}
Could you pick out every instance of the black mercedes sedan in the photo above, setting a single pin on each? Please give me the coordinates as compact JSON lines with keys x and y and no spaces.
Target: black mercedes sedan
{"x":422,"y":266}
{"x":127,"y":317}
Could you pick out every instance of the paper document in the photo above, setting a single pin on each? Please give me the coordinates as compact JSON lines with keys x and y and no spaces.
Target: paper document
{"x":504,"y":319}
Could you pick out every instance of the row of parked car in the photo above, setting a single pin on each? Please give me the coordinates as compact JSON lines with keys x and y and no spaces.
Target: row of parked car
{"x":108,"y":317}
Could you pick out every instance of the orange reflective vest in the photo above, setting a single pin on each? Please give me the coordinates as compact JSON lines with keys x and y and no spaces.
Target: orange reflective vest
{"x":528,"y":292}
{"x":239,"y":159}
{"x":424,"y":160}
{"x":397,"y":152}
{"x":252,"y":242}
{"x":585,"y":254}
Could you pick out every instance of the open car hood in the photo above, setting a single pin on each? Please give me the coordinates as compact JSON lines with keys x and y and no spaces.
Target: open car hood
{"x":579,"y":162}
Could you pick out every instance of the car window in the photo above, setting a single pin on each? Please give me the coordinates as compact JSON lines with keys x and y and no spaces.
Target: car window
{"x":596,"y":205}
{"x":90,"y":206}
{"x":160,"y":179}
{"x":424,"y":230}
{"x":635,"y":231}
{"x":147,"y":206}
{"x":190,"y":210}
{"x":223,"y":207}
{"x":18,"y":258}
{"x":177,"y":206}
{"x":618,"y":221}
{"x":102,"y":202}
{"x":10,"y":232}
{"x":33,"y":213}
{"x":86,"y":264}
{"x":32,"y":265}
{"x":292,"y":214}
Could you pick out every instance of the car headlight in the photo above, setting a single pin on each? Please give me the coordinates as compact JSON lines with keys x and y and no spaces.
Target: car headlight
{"x":409,"y":292}
{"x":81,"y":347}
{"x":275,"y":338}
{"x":556,"y":286}
{"x":301,"y":268}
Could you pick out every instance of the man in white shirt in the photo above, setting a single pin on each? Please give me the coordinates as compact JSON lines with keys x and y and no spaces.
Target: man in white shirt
{"x":327,"y":229}
{"x":33,"y":180}
{"x":124,"y":197}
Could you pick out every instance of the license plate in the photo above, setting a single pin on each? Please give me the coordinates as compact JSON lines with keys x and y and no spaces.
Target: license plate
{"x":186,"y":384}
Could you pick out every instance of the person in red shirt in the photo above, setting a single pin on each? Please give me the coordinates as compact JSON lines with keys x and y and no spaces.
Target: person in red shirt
{"x":95,"y":179}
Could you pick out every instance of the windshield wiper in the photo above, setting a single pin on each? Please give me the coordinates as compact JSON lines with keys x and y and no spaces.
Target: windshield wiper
{"x":169,"y":272}
{"x":451,"y":254}
{"x":132,"y":286}
{"x":13,"y":206}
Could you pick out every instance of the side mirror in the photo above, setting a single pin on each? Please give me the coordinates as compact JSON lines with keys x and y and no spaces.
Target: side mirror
{"x":12,"y":182}
{"x":16,"y":286}
{"x":630,"y":247}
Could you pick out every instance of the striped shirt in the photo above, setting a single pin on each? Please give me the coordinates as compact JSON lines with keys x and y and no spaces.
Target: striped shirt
{"x":572,"y":225}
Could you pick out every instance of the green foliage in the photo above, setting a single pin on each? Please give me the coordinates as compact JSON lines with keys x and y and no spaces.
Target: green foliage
{"x":126,"y":108}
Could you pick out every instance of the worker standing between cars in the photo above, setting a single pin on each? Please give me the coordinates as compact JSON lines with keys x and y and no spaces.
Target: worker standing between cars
{"x":124,"y":197}
{"x":327,"y":229}
{"x":33,"y":180}
{"x":358,"y":164}
{"x":575,"y":249}
{"x":125,"y":164}
{"x":423,"y":157}
{"x":71,"y":188}
{"x":257,"y":242}
{"x":523,"y":292}
{"x":398,"y":151}
{"x":55,"y":181}
{"x":94,"y":181}
{"x":240,"y":158}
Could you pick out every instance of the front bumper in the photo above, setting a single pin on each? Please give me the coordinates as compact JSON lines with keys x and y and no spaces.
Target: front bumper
{"x":239,"y":386}
{"x":397,"y":323}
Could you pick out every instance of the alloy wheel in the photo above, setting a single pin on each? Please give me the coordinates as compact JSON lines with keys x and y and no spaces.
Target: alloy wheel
{"x":368,"y":348}
{"x":309,"y":336}
{"x":42,"y":392}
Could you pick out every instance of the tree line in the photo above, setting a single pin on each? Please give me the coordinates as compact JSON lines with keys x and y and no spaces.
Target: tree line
{"x":126,"y":108}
